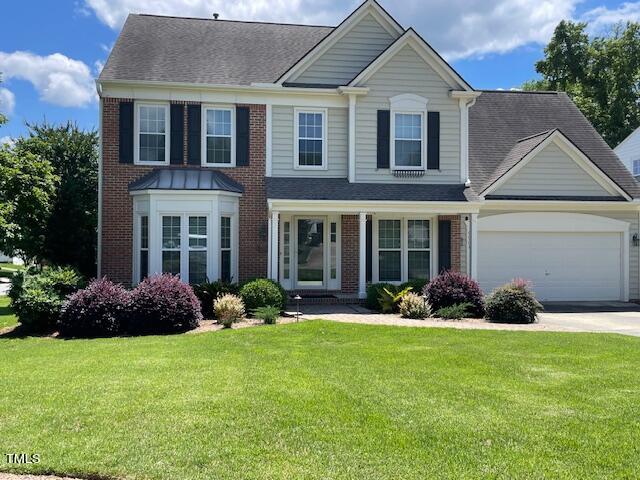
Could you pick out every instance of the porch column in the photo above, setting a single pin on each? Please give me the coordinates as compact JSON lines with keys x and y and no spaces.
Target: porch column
{"x":275,"y":220}
{"x":474,"y":245}
{"x":362,"y":248}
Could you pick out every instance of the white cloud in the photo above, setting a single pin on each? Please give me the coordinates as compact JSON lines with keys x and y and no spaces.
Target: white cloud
{"x":98,"y":65}
{"x":7,"y":101}
{"x":7,"y":141}
{"x":59,"y":80}
{"x":602,"y":17}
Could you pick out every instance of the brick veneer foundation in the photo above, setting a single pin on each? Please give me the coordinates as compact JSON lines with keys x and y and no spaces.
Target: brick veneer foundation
{"x":350,"y":239}
{"x":117,"y":204}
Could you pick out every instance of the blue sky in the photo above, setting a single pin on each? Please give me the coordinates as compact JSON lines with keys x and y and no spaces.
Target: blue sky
{"x":51,"y":51}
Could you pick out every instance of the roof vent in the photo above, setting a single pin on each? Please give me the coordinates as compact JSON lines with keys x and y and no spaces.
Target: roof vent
{"x":215,"y":16}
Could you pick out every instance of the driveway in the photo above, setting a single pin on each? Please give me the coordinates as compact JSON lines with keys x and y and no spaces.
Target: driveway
{"x":609,"y":317}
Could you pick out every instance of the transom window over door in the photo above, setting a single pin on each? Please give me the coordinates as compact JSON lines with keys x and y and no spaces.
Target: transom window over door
{"x":310,"y":142}
{"x":219,"y":137}
{"x":152,"y":138}
{"x":408,"y":139}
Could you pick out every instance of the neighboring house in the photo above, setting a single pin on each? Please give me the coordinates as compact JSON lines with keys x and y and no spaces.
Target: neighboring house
{"x":629,"y":152}
{"x":326,"y":158}
{"x":6,"y":259}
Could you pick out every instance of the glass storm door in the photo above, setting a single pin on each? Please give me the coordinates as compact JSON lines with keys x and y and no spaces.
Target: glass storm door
{"x":310,"y":252}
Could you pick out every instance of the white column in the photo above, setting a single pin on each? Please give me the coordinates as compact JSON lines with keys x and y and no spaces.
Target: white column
{"x":275,"y":220}
{"x":464,"y":139}
{"x":362,"y":269}
{"x":474,"y":245}
{"x":352,"y":138}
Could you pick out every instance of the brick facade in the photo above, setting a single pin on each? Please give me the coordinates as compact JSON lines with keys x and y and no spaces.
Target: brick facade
{"x":117,"y":204}
{"x":350,"y":240}
{"x":456,"y":240}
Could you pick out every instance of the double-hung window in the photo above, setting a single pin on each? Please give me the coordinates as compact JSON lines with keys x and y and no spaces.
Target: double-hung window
{"x":408,"y":139}
{"x":389,"y":250}
{"x":143,"y":266}
{"x":152,"y":136}
{"x":310,"y":142}
{"x":418,"y":250}
{"x":171,"y":244}
{"x":218,"y":145}
{"x":225,"y":249}
{"x":636,"y":168}
{"x":197,"y":249}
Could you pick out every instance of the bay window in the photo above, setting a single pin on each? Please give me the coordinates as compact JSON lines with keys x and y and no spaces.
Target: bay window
{"x":171,"y":244}
{"x":225,"y":249}
{"x":143,"y":266}
{"x":197,"y":249}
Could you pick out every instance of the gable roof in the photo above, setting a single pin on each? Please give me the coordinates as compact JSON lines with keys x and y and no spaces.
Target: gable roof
{"x":207,"y":51}
{"x":428,"y":54}
{"x":500,"y":120}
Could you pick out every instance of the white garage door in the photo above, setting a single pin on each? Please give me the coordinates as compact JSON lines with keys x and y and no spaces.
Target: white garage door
{"x":571,"y":265}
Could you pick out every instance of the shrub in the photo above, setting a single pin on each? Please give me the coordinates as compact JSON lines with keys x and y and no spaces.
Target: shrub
{"x":451,"y":288}
{"x":163,"y":304}
{"x":207,"y":292}
{"x":390,"y":299}
{"x":414,"y":306}
{"x":268,"y":314}
{"x":263,"y":292}
{"x":96,"y":311}
{"x":228,"y":309}
{"x":416,"y":285}
{"x":374,"y":291}
{"x":513,"y":303}
{"x":454,"y":312}
{"x":37,"y":296}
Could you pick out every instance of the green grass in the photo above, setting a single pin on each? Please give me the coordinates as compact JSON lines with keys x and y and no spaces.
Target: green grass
{"x":8,"y":269}
{"x":7,"y":318}
{"x":320,"y":400}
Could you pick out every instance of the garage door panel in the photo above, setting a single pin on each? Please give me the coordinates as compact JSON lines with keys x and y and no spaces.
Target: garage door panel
{"x":561,"y":266}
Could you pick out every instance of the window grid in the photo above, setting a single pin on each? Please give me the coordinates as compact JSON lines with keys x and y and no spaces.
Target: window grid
{"x":171,"y":244}
{"x":197,"y":249}
{"x":144,"y":248}
{"x":152,"y":133}
{"x":218,"y":136}
{"x":333,"y":242}
{"x":408,"y":140}
{"x":389,"y":250}
{"x":225,"y":249}
{"x":418,"y":249}
{"x":286,"y":250}
{"x":310,"y":139}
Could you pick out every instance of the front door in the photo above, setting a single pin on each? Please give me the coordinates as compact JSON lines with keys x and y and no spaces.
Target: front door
{"x":310,"y":252}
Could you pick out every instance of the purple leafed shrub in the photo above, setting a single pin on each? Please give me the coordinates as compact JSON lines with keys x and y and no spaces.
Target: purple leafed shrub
{"x":451,"y":288}
{"x":99,"y":310}
{"x":163,"y":304}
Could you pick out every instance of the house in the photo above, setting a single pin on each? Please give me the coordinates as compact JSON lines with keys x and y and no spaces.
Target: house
{"x":330,"y":157}
{"x":629,"y":152}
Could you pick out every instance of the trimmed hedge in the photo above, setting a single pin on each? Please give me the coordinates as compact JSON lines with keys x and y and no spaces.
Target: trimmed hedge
{"x":374,"y":292}
{"x":208,"y":292}
{"x":100,"y":310}
{"x":163,"y":304}
{"x":452,"y":288}
{"x":263,"y":292}
{"x":513,"y":303}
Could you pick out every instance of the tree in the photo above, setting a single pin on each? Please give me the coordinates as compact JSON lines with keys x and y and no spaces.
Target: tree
{"x":600,"y":74}
{"x":71,"y":226}
{"x":3,"y":118}
{"x":27,"y":188}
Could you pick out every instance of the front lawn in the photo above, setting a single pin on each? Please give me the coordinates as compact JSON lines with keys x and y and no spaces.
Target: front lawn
{"x":325,"y":400}
{"x":7,"y":318}
{"x":8,"y":269}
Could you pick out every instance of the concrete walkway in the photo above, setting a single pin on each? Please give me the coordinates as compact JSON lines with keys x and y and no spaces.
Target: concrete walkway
{"x":612,"y":317}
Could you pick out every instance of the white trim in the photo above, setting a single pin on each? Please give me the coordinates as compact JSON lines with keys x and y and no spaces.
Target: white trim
{"x":293,"y":271}
{"x":352,"y":138}
{"x":296,"y":120}
{"x":564,"y":222}
{"x":473,"y":250}
{"x":203,"y":139}
{"x":428,"y":54}
{"x":99,"y":242}
{"x":390,"y":206}
{"x":136,"y":135}
{"x":368,"y":7}
{"x":465,"y":102}
{"x":423,"y":140}
{"x":275,"y":250}
{"x":560,"y":205}
{"x":269,"y":140}
{"x":574,"y":153}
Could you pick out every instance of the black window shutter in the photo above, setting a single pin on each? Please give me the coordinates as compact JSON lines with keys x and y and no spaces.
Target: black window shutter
{"x":433,"y":140}
{"x":444,"y":245}
{"x":242,"y":136}
{"x":126,"y":132}
{"x":177,"y":134}
{"x":193,"y":134}
{"x":384,"y":128}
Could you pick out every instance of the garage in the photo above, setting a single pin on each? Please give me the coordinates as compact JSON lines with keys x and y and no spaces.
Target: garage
{"x":566,"y":256}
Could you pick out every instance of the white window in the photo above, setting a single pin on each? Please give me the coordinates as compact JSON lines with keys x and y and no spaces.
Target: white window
{"x":197,"y":249}
{"x":389,"y":251}
{"x":408,"y":141}
{"x":171,"y":244}
{"x":418,"y":250}
{"x":218,"y":147}
{"x":636,"y":167}
{"x":152,"y":134}
{"x":286,"y":250}
{"x":143,"y":267}
{"x":310,"y":142}
{"x":225,"y":249}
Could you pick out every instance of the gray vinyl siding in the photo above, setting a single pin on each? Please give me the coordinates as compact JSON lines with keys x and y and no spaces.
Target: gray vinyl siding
{"x":407,"y":72}
{"x":629,"y":150}
{"x":634,"y":252}
{"x":283,"y":138}
{"x":551,"y":172}
{"x":354,"y":51}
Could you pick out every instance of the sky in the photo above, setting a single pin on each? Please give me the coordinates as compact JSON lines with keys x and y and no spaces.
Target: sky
{"x":51,"y":52}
